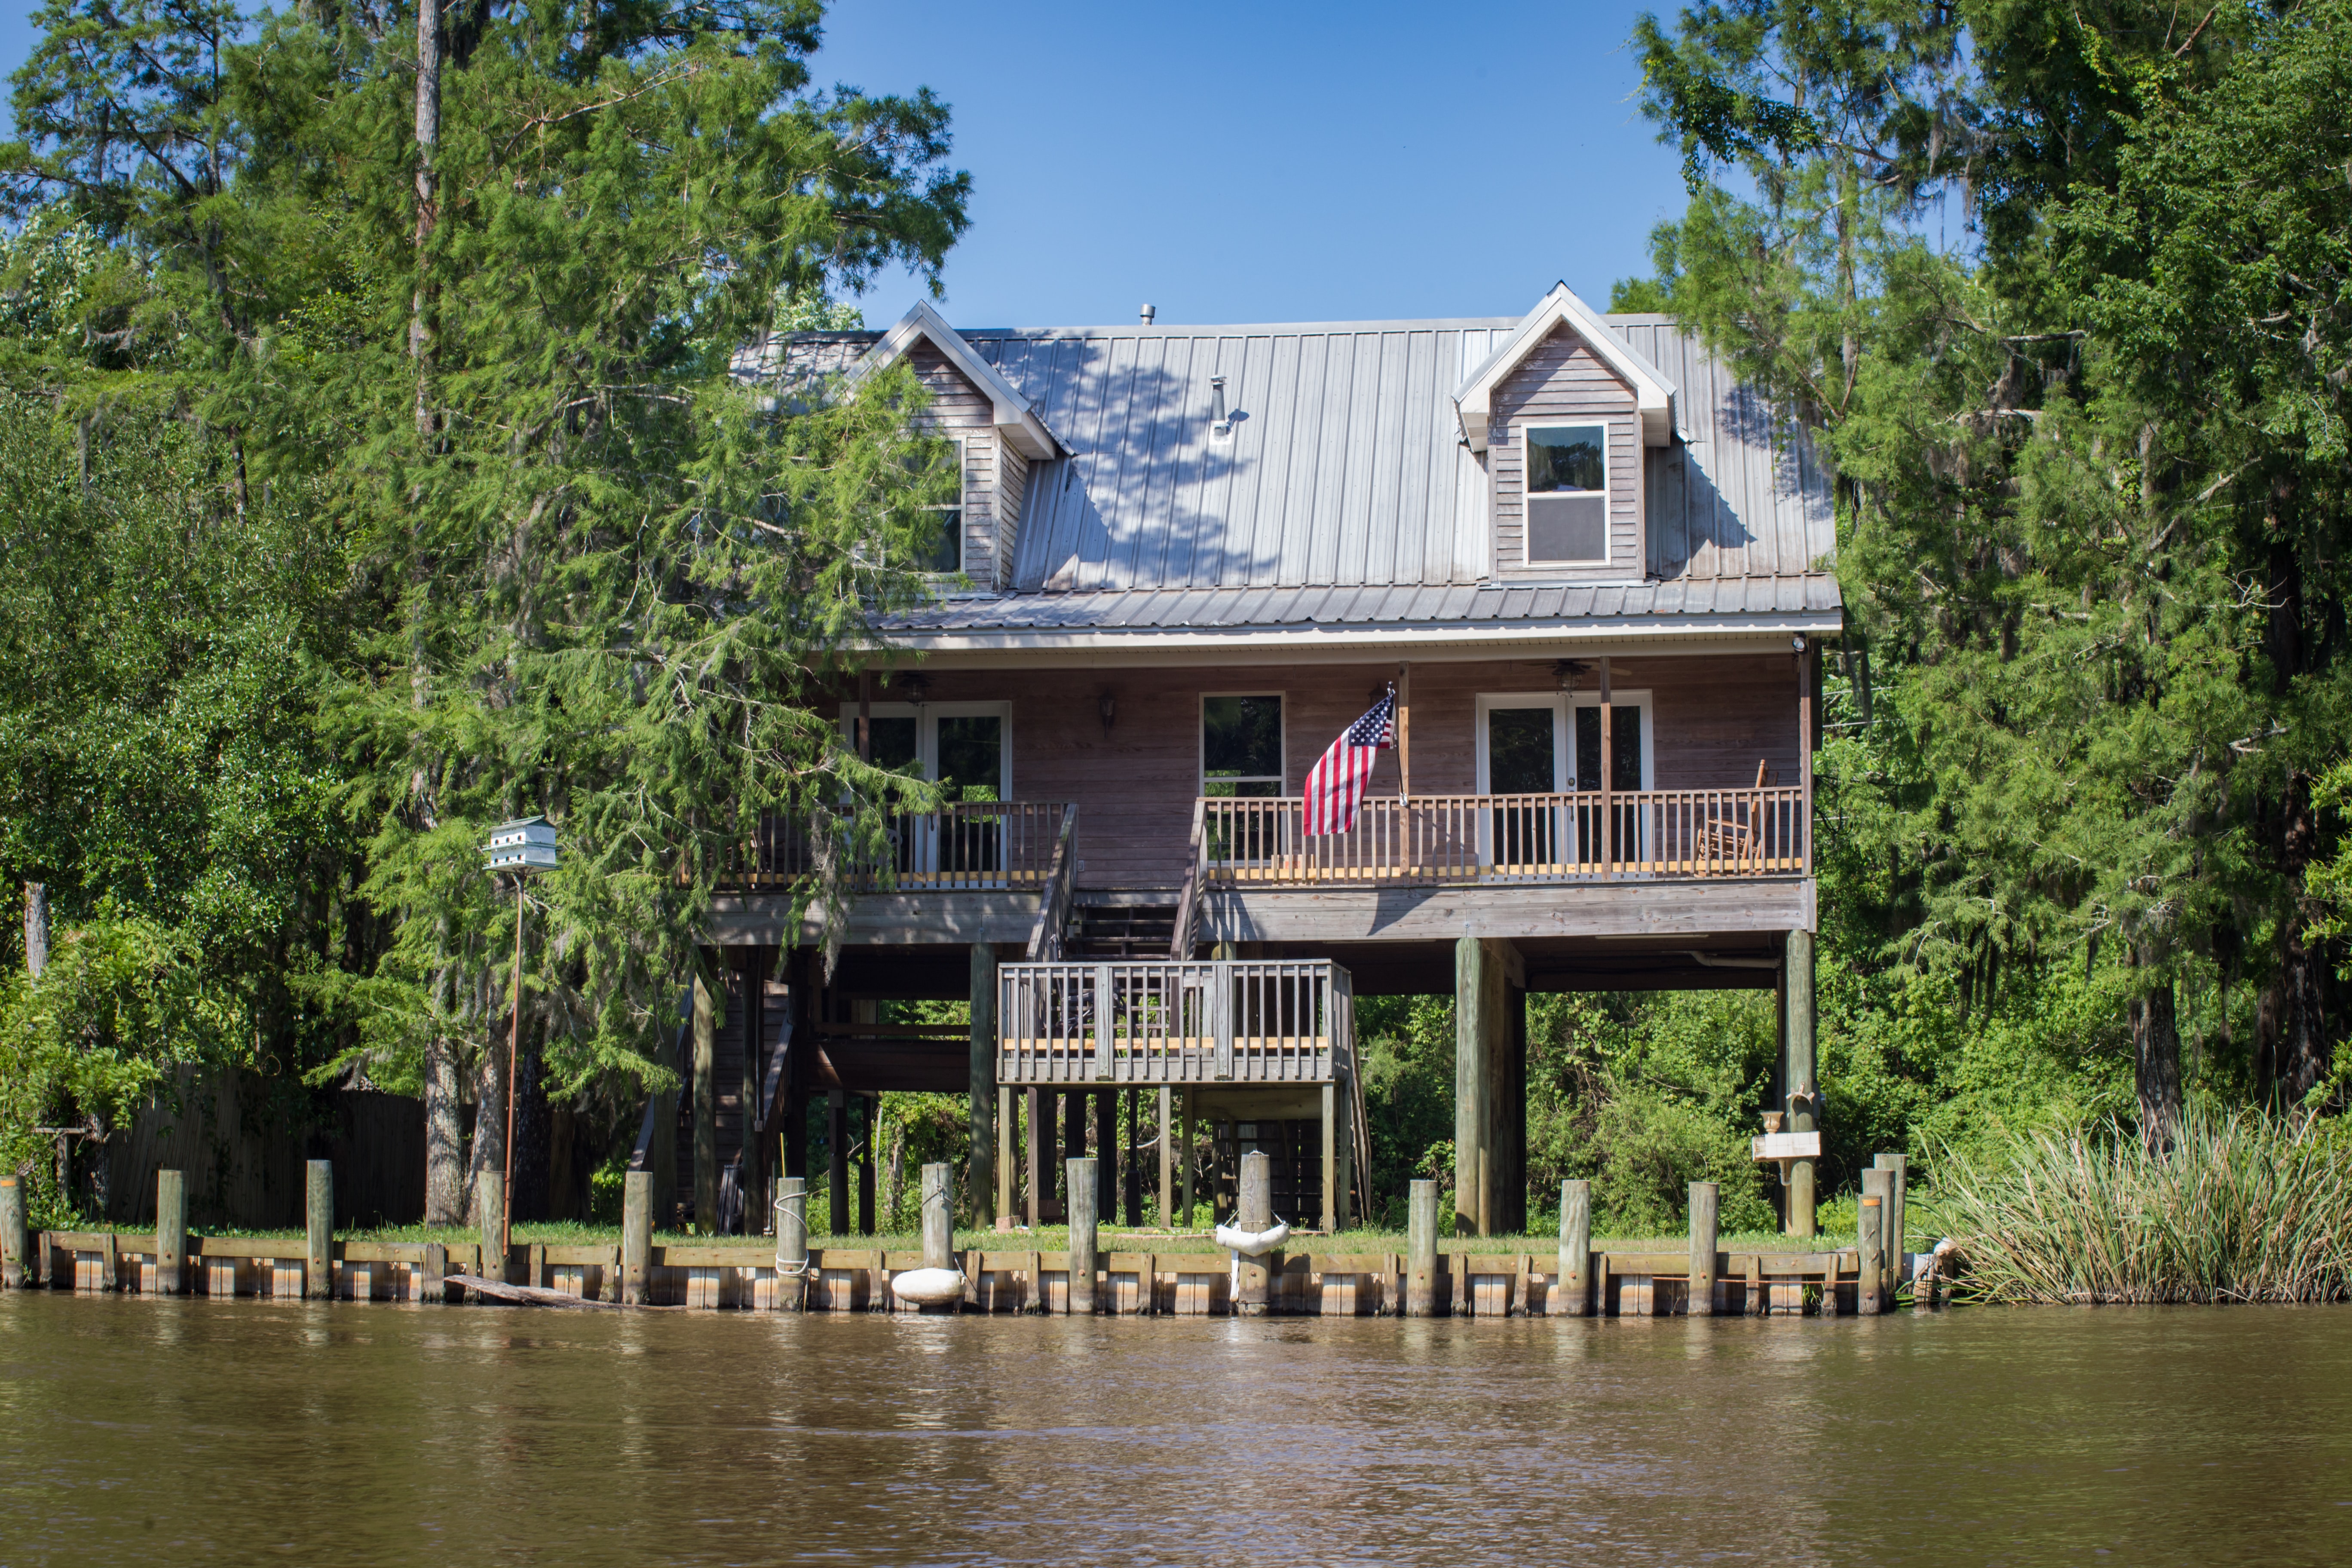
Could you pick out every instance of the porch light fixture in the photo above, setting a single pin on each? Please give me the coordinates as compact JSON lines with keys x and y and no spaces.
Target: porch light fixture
{"x":1108,"y":707}
{"x":914,"y":684}
{"x":523,"y":846}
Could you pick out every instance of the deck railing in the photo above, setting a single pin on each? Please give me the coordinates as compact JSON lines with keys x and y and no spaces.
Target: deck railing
{"x":1435,"y":840}
{"x":973,"y":845}
{"x":1153,"y":1022}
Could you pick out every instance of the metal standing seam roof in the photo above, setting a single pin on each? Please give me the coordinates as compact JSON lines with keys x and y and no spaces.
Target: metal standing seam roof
{"x":1345,"y":495}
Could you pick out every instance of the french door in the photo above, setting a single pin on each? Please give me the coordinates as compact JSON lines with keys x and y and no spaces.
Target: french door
{"x":965,"y":748}
{"x":1534,"y":746}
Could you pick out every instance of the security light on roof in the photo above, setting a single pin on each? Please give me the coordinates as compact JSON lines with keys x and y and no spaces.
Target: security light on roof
{"x":526,"y":843}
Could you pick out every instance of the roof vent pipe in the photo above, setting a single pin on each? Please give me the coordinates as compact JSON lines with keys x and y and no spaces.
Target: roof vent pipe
{"x":1149,"y":311}
{"x":1224,"y":425}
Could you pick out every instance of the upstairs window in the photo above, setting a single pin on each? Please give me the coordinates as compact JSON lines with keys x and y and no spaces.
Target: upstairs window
{"x":1241,"y":745}
{"x":1567,"y":494}
{"x":946,"y":553}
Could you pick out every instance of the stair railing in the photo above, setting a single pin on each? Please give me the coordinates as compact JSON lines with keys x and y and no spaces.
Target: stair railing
{"x":1053,"y":908}
{"x":1187,"y":934}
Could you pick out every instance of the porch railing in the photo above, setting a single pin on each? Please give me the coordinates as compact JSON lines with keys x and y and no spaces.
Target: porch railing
{"x":975,"y":845}
{"x":1155,"y":1021}
{"x":1435,"y":840}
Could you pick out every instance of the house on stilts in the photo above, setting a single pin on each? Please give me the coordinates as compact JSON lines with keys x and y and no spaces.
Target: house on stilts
{"x":1596,"y":571}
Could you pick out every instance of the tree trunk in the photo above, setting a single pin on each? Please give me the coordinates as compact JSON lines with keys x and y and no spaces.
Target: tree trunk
{"x":2295,"y":1015}
{"x":2156,"y":1065}
{"x":489,"y":1147}
{"x":428,"y":142}
{"x":37,"y":929}
{"x":533,"y":1155}
{"x":445,"y":1136}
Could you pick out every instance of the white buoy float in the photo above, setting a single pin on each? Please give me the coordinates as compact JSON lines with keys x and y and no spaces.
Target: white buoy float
{"x":927,"y":1287}
{"x":1248,"y":1244}
{"x":1253,"y":1243}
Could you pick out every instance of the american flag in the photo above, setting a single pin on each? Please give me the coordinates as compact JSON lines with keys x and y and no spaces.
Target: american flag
{"x":1335,"y":782}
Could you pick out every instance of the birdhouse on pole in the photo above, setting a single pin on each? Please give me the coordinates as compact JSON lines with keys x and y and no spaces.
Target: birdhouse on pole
{"x":526,"y":843}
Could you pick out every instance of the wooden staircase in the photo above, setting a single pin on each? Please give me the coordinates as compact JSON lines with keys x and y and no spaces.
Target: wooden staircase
{"x":1120,"y":926}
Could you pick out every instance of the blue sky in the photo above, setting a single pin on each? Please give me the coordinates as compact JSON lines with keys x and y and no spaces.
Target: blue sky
{"x":1264,"y":163}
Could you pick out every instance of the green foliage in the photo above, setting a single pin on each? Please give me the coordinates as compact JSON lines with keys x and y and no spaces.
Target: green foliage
{"x":2091,"y":502}
{"x":347,"y":516}
{"x":1640,"y":1096}
{"x":2244,"y":1208}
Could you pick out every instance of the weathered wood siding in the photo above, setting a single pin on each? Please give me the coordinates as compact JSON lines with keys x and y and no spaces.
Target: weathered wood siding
{"x":959,"y":408}
{"x":1713,"y":717}
{"x":1563,"y":380}
{"x":1011,"y":491}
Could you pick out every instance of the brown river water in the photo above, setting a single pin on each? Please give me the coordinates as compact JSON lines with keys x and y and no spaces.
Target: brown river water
{"x":184,"y":1431}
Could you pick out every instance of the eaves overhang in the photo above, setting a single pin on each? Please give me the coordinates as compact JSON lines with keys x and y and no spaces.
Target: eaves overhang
{"x":1014,"y":418}
{"x":1654,"y":395}
{"x":1327,"y":644}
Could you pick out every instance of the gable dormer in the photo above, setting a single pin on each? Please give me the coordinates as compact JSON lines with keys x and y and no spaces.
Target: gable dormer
{"x":1562,"y":413}
{"x":996,"y":429}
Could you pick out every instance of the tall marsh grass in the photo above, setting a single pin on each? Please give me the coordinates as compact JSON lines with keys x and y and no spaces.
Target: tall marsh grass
{"x":2244,"y":1208}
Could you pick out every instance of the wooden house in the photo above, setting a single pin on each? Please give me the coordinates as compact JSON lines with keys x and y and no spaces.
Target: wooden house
{"x":1596,"y":571}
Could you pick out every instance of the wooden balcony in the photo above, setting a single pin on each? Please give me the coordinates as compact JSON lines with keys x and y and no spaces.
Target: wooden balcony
{"x":1451,"y":840}
{"x":1243,"y":1022}
{"x":975,"y":845}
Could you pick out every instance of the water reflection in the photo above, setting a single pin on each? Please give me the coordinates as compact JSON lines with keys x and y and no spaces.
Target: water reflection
{"x":2218,"y":1436}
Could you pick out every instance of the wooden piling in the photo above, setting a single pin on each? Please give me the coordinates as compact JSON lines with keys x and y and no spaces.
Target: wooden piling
{"x":1033,"y":1167}
{"x":319,"y":1228}
{"x":1080,"y":1175}
{"x":836,"y":1161}
{"x":1185,"y":1222}
{"x":435,"y":1267}
{"x":1420,"y":1297}
{"x":490,"y":1209}
{"x":1705,"y":1203}
{"x":1167,"y":1157}
{"x":13,"y":1243}
{"x":870,"y":1118}
{"x":939,"y":1217}
{"x":1797,"y":1069}
{"x":1331,"y":1157}
{"x":1007,"y":1118}
{"x":1254,"y":1211}
{"x":982,"y":1063}
{"x":791,"y":1247}
{"x":1870,"y":1277}
{"x":637,"y":1237}
{"x":1573,"y":1295}
{"x":171,"y":1232}
{"x":1897,"y":1167}
{"x":707,"y":1007}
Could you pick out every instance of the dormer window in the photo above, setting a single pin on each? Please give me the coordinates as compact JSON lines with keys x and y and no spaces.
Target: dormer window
{"x":1567,"y":494}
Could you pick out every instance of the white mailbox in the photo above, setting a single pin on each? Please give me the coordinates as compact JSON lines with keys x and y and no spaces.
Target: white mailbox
{"x":525,"y":845}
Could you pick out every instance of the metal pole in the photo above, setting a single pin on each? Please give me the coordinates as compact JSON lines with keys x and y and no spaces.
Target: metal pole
{"x":514,"y":1048}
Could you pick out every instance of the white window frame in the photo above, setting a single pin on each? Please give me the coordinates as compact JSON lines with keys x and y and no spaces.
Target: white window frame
{"x":1635,"y":698}
{"x":1200,"y":739}
{"x":1528,"y":561}
{"x":1563,"y":741}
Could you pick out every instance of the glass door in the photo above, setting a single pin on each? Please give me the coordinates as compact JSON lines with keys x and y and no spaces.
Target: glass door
{"x":1629,"y":773}
{"x":968,"y":761}
{"x":962,"y":747}
{"x":1522,"y":754}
